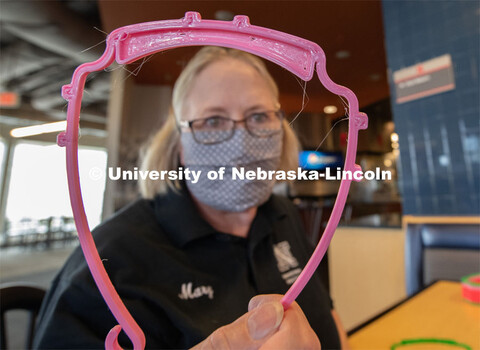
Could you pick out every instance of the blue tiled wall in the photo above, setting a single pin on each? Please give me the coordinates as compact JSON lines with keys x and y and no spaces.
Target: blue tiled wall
{"x":440,"y":134}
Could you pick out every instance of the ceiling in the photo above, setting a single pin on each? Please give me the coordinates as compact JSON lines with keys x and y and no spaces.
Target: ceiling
{"x":354,"y":27}
{"x":43,"y":41}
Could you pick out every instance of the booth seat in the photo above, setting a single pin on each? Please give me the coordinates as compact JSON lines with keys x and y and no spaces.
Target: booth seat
{"x":440,"y":251}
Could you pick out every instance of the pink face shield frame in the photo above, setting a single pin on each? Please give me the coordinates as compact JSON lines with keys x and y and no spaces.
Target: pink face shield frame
{"x":130,"y":43}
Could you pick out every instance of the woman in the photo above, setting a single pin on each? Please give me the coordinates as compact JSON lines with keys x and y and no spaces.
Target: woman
{"x":187,"y":258}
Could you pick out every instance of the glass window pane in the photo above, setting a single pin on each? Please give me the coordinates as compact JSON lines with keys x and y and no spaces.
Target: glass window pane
{"x":2,"y":158}
{"x":38,"y":183}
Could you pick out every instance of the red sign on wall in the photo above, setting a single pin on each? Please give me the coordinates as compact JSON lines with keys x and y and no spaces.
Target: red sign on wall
{"x":424,"y":79}
{"x":9,"y":99}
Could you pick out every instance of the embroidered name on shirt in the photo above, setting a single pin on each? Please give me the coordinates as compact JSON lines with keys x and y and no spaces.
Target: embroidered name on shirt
{"x":188,"y":292}
{"x":286,"y":262}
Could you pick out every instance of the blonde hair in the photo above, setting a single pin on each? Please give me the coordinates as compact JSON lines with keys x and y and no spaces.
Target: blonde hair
{"x":164,"y":149}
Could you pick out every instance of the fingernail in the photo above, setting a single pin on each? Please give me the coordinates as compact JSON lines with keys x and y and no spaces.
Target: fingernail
{"x":265,"y":319}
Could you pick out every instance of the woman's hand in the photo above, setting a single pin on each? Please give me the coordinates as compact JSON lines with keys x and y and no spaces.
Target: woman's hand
{"x":265,"y":326}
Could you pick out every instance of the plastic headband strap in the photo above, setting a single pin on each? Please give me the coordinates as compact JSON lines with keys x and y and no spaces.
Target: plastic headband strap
{"x":130,"y":43}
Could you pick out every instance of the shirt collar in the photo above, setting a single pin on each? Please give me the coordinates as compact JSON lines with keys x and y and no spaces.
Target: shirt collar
{"x":180,"y":219}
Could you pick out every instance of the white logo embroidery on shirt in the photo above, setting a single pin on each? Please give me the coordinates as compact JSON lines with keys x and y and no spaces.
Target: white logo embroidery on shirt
{"x":187,"y":291}
{"x":286,"y":262}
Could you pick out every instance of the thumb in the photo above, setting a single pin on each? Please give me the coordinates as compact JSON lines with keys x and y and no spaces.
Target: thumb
{"x":264,"y":319}
{"x":247,"y":331}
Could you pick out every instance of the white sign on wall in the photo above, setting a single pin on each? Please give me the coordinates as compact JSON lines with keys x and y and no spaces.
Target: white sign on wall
{"x":424,"y":79}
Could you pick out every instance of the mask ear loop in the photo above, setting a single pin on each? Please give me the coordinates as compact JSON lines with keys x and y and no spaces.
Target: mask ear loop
{"x":130,"y":43}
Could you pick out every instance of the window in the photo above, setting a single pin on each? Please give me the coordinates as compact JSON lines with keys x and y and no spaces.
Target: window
{"x":2,"y":158}
{"x":38,"y":183}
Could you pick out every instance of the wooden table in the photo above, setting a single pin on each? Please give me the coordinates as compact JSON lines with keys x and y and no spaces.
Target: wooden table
{"x":439,"y":311}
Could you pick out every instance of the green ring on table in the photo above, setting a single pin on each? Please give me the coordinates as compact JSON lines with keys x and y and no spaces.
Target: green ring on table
{"x":469,"y":280}
{"x":431,"y":341}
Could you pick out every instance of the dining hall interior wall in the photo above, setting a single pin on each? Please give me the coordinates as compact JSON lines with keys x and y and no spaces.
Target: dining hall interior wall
{"x":439,"y":135}
{"x":135,"y":113}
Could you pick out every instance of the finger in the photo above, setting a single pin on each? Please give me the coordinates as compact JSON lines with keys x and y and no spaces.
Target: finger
{"x":247,"y":332}
{"x":266,"y":298}
{"x":294,"y":311}
{"x":258,"y":300}
{"x":265,"y":319}
{"x":294,"y":333}
{"x":294,"y":322}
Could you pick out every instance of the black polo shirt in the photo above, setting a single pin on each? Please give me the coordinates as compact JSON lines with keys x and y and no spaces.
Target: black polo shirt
{"x":179,"y":277}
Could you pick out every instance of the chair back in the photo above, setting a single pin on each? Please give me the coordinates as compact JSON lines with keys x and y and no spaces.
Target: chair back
{"x":440,"y":252}
{"x":20,"y":297}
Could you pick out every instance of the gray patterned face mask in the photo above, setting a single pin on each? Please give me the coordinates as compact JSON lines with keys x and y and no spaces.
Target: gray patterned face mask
{"x":242,"y":150}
